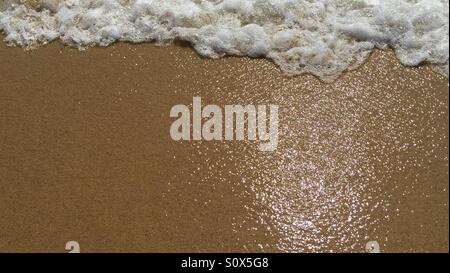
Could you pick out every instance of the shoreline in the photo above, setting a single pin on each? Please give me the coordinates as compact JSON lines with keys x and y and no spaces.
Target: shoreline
{"x":185,"y":44}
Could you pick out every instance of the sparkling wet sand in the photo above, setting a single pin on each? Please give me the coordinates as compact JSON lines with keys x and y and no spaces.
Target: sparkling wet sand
{"x":86,"y":155}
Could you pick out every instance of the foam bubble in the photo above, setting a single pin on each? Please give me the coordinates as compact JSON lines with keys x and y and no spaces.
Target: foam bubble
{"x":324,"y":37}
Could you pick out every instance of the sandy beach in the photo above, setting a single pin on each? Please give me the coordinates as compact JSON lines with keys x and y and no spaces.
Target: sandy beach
{"x":86,"y":155}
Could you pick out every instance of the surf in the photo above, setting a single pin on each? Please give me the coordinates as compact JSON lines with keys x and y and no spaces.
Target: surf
{"x":324,"y":37}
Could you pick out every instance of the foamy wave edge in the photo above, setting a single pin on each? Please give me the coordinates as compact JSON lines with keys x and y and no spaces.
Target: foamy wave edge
{"x":324,"y":37}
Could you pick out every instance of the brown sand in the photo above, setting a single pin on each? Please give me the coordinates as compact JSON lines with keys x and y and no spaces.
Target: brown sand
{"x":86,"y":155}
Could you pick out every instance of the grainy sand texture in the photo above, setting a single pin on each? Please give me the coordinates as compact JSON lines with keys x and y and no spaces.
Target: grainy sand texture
{"x":86,"y":155}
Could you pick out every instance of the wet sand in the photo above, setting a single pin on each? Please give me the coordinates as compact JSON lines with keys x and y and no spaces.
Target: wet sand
{"x":86,"y":155}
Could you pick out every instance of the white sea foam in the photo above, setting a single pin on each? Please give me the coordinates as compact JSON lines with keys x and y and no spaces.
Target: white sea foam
{"x":323,"y":37}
